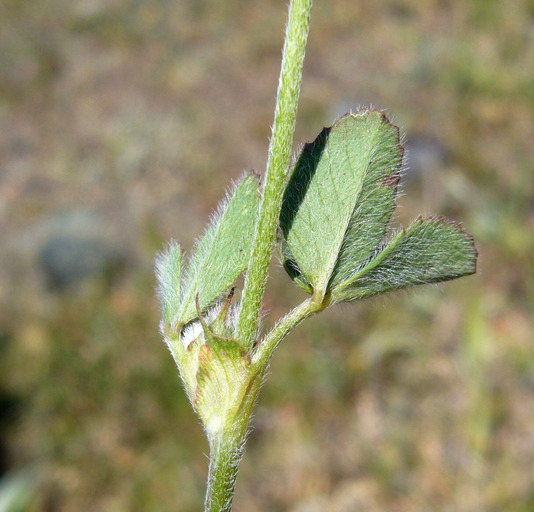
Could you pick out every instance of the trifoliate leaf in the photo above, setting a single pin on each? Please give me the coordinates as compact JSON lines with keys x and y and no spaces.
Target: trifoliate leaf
{"x":339,"y":200}
{"x":429,"y":251}
{"x":223,"y":251}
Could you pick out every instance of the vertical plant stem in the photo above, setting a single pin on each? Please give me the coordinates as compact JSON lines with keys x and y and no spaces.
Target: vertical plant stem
{"x":225,"y":456}
{"x":226,"y":448}
{"x":277,"y":165}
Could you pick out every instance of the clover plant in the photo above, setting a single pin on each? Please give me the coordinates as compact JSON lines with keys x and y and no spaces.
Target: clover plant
{"x":328,"y":215}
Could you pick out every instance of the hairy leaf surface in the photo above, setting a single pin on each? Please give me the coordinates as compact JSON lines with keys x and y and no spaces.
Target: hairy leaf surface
{"x":223,"y":251}
{"x":168,"y":274}
{"x":339,"y":200}
{"x":429,"y":251}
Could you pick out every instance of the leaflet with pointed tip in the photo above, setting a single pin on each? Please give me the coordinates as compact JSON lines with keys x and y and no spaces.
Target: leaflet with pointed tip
{"x":223,"y":251}
{"x":169,"y":273}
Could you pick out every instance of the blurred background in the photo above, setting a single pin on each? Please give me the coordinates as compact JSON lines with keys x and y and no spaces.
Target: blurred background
{"x":122,"y":122}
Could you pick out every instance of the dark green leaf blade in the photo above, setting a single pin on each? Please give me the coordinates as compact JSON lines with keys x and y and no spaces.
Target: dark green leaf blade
{"x":428,"y":251}
{"x":223,"y":251}
{"x":339,"y":200}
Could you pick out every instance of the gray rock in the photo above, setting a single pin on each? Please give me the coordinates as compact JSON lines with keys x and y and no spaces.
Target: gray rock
{"x":78,"y":247}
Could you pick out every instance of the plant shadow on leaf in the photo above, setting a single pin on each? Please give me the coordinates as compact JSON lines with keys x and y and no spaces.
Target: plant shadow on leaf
{"x":294,"y":195}
{"x":300,"y":181}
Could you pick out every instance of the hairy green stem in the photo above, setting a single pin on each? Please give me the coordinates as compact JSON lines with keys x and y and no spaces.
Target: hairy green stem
{"x":226,"y":446}
{"x":227,"y":443}
{"x":225,"y":456}
{"x":268,"y":345}
{"x":277,"y":165}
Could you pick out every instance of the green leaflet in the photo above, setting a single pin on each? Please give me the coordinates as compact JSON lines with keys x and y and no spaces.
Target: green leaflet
{"x":220,"y":256}
{"x":168,"y":274}
{"x":429,"y":251}
{"x":339,"y":200}
{"x":224,"y":250}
